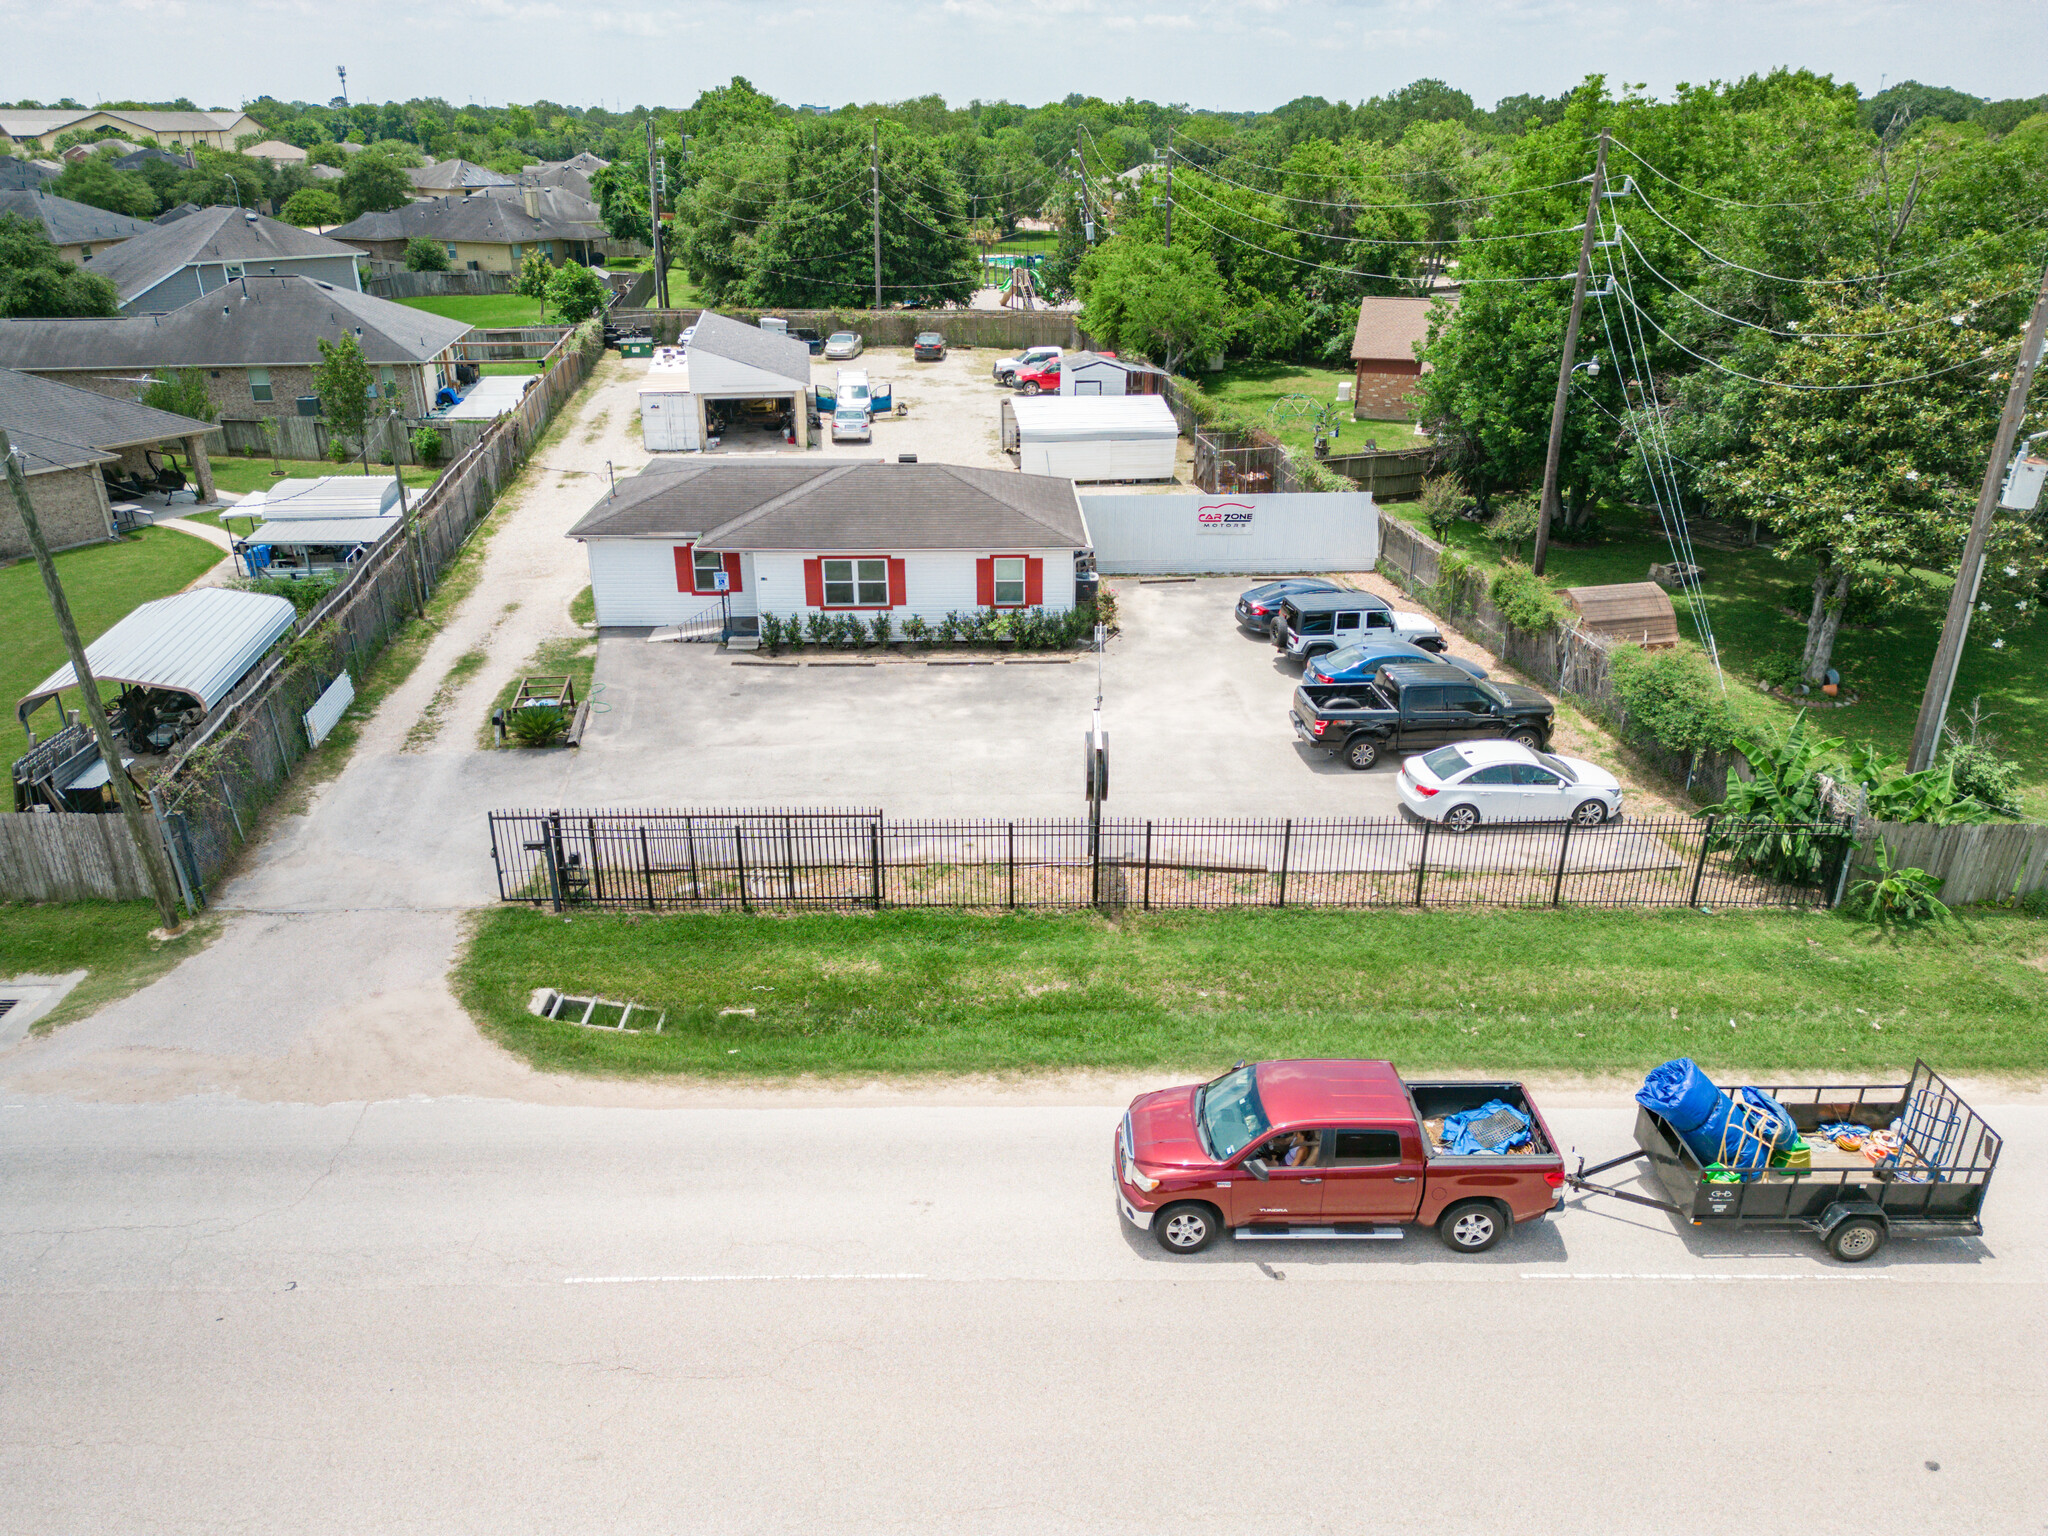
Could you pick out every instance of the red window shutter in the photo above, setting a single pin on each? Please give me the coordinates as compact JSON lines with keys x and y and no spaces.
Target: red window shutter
{"x":1034,"y":581}
{"x":899,"y":584}
{"x":732,"y":572}
{"x":814,"y":583}
{"x":686,"y":572}
{"x":985,"y":582}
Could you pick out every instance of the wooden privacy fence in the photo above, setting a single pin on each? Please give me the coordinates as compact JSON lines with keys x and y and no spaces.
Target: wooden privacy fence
{"x":1008,"y":330}
{"x":1994,"y":861}
{"x":388,"y":280}
{"x":251,"y":741}
{"x":307,"y":437}
{"x":63,"y":856}
{"x":1389,"y":476}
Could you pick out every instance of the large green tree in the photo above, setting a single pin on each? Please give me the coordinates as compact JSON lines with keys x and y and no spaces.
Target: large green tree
{"x":37,"y":282}
{"x":1850,"y":477}
{"x":1165,"y":302}
{"x":373,"y":183}
{"x":97,"y":182}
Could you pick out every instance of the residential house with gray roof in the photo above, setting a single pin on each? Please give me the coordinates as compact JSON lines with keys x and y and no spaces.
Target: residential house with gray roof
{"x":455,"y":179}
{"x":78,"y":230}
{"x":492,"y":232}
{"x":257,"y":342}
{"x":173,"y":264}
{"x":68,"y":439}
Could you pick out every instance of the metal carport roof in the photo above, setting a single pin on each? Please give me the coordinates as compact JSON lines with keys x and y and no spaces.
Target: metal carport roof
{"x":1091,"y":418}
{"x":323,"y":530}
{"x":199,"y":643}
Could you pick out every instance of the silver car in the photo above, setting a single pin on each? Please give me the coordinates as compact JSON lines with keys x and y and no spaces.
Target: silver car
{"x":841,"y":345}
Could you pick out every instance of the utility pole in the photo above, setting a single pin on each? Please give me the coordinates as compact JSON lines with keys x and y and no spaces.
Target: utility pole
{"x":1955,"y":629}
{"x":875,"y":166}
{"x":148,"y":841}
{"x":654,"y":223}
{"x":1548,"y":510}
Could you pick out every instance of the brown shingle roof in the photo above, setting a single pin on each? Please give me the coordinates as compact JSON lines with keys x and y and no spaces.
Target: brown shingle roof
{"x":1390,"y":329}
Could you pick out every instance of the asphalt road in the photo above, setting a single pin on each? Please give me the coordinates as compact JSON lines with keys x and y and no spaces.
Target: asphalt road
{"x":459,"y":1315}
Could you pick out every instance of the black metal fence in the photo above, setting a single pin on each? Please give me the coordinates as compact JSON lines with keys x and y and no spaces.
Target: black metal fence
{"x":781,"y":859}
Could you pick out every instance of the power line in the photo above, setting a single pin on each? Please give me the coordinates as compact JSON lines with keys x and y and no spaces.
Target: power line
{"x":1453,"y":202}
{"x":1729,"y":202}
{"x":1396,"y":277}
{"x":1827,"y":282}
{"x":1316,"y":234}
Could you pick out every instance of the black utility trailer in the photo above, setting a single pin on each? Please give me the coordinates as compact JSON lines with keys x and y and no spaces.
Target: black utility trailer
{"x":1934,"y":1187}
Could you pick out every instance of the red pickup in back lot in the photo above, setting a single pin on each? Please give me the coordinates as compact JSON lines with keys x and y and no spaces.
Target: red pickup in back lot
{"x":1326,"y":1149}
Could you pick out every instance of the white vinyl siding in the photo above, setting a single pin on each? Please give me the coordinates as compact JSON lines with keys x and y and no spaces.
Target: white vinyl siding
{"x":935,"y":581}
{"x":633,"y":582}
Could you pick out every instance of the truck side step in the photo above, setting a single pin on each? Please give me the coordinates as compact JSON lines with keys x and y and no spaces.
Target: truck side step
{"x":1356,"y":1230}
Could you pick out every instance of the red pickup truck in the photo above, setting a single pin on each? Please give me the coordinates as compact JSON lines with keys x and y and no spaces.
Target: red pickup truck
{"x":1333,"y":1149}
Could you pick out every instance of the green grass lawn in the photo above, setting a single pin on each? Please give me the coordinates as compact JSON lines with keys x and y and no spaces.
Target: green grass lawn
{"x":103,"y":582}
{"x":490,"y":309}
{"x":1510,"y":991}
{"x":523,"y":365}
{"x":1885,"y":663}
{"x":242,"y":476}
{"x":1254,"y":388}
{"x":1028,"y":242}
{"x":108,"y":940}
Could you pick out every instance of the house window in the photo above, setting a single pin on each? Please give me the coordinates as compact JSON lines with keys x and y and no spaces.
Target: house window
{"x":706,"y":565}
{"x":233,"y":270}
{"x":451,"y":250}
{"x":547,"y":249}
{"x":85,"y":253}
{"x":388,"y":377}
{"x":865,"y":583}
{"x":516,"y":249}
{"x":259,"y":384}
{"x":1009,"y":583}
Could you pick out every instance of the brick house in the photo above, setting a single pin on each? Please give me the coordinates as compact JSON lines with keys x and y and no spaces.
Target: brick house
{"x":1385,"y":354}
{"x":257,"y":344}
{"x":67,"y":435}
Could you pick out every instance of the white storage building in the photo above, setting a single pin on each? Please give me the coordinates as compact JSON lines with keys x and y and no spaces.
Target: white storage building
{"x":730,"y":362}
{"x":835,"y":536}
{"x":669,"y":417}
{"x":1091,"y":437}
{"x":1104,"y":373}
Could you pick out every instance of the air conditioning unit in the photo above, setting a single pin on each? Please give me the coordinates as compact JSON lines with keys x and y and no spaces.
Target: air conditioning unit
{"x":309,"y":405}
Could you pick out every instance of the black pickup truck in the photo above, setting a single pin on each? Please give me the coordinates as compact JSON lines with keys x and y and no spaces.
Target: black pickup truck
{"x":1411,"y":709}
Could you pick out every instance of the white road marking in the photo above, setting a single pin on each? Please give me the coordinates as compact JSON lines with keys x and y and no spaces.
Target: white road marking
{"x":1653,"y":1275}
{"x":716,"y":1279}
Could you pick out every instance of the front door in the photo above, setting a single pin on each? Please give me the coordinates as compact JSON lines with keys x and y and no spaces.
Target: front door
{"x":1368,"y":1178}
{"x":1292,"y":1191}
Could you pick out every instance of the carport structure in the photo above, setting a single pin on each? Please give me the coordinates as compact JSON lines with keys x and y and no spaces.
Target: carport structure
{"x":733,"y":362}
{"x":185,"y":652}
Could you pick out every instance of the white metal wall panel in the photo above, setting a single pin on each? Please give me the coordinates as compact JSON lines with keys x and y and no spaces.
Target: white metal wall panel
{"x":1097,"y":378}
{"x":327,"y":709}
{"x":668,"y":423}
{"x":1233,"y":534}
{"x":1110,"y":459}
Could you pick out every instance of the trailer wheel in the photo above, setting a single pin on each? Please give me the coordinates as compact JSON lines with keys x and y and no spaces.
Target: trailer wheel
{"x":1472,"y":1227}
{"x":1856,"y":1239}
{"x":1186,"y":1228}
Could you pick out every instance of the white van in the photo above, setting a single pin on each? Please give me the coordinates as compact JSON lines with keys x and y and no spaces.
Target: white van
{"x":852,"y":389}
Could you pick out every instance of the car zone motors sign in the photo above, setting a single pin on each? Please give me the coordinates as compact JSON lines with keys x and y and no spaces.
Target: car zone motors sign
{"x":1223,"y":517}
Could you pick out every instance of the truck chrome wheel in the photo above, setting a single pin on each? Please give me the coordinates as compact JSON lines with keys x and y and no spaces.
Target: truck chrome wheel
{"x":1471,"y":1228}
{"x":1185,"y":1229}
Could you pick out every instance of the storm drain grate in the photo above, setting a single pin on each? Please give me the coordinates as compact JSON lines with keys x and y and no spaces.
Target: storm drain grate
{"x":7,"y":1004}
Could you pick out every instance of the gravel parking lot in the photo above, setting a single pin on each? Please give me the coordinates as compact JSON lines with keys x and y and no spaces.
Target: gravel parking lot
{"x":1195,"y":710}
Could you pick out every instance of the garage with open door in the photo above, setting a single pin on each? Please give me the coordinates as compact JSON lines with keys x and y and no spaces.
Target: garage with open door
{"x":745,"y":379}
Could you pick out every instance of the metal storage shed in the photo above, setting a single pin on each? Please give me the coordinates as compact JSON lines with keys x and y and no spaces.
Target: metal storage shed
{"x":1091,"y":437}
{"x":669,"y":421}
{"x":198,"y":643}
{"x":1638,"y":612}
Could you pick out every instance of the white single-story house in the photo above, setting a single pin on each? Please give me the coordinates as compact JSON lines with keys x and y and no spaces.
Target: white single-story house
{"x":1091,"y":437}
{"x":785,"y":536}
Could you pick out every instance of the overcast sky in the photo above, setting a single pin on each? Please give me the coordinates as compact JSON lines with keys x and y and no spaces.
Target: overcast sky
{"x":1232,"y":54}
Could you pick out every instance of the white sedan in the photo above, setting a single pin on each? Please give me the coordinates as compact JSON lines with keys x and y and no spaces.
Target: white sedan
{"x":1466,"y":783}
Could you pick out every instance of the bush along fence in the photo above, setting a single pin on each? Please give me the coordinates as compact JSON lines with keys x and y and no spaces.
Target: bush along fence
{"x":224,"y":772}
{"x":658,"y":860}
{"x":1009,"y":330}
